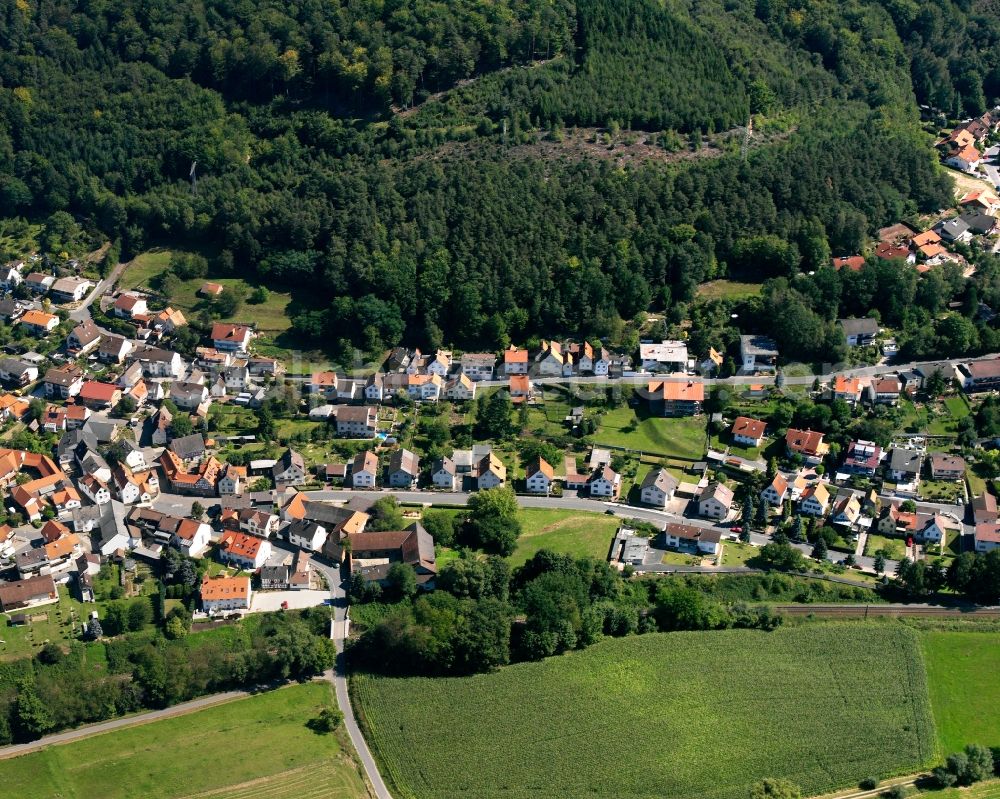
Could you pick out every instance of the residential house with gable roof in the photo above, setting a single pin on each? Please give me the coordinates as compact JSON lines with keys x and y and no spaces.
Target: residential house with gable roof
{"x":403,"y":469}
{"x":748,"y":432}
{"x":807,"y":444}
{"x":715,"y":501}
{"x":657,"y":488}
{"x":776,"y":491}
{"x":539,"y":476}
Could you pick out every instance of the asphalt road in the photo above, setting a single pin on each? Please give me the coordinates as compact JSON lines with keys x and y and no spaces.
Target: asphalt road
{"x":338,"y":676}
{"x":116,"y":724}
{"x":82,"y":312}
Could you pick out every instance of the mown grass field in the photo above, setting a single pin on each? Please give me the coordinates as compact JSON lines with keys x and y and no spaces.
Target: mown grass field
{"x":679,"y":438}
{"x":252,"y":748}
{"x":986,"y":790}
{"x":576,"y":533}
{"x":679,"y":715}
{"x":964,"y":691}
{"x":270,"y":316}
{"x":727,"y":289}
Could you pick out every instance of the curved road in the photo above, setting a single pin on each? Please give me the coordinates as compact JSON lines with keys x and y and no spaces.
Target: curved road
{"x":338,"y":676}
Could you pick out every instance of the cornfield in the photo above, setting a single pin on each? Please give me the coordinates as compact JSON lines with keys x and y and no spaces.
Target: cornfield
{"x":685,"y":715}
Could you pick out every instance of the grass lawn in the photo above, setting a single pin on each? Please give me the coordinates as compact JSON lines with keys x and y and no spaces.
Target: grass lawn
{"x":894,"y":547}
{"x":672,"y":558}
{"x":940,"y":490}
{"x":977,"y":485}
{"x":958,"y":406}
{"x":577,"y":533}
{"x":682,"y":437}
{"x":58,"y":622}
{"x":143,"y":268}
{"x":985,"y":790}
{"x":727,"y":289}
{"x":270,"y":316}
{"x":736,"y":553}
{"x":254,"y":747}
{"x":657,"y":703}
{"x":961,"y":676}
{"x":951,"y":547}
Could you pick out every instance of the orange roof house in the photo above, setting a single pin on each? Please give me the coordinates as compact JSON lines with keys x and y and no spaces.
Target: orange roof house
{"x":520,"y":388}
{"x":748,"y":429}
{"x":40,"y":319}
{"x":849,"y":387}
{"x":211,"y":289}
{"x":808,"y":443}
{"x":62,"y":547}
{"x":225,"y":593}
{"x":53,"y":530}
{"x":852,"y":262}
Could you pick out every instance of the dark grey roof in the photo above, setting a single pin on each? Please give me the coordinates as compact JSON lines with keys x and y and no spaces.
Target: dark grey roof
{"x":859,"y":327}
{"x":103,"y":430}
{"x":31,"y":557}
{"x":14,"y":366}
{"x":74,"y":438}
{"x":111,"y":524}
{"x":662,"y":479}
{"x":304,"y":528}
{"x":905,"y":460}
{"x":953,"y":228}
{"x":759,"y":345}
{"x":326,"y":514}
{"x":274,"y":573}
{"x":979,"y":222}
{"x":187,"y":447}
{"x":9,"y":307}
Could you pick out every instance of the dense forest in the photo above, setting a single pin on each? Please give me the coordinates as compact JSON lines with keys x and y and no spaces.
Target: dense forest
{"x":328,"y":163}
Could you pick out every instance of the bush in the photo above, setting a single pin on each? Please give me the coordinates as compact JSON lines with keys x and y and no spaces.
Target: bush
{"x":897,"y":792}
{"x":868,"y":784}
{"x":328,"y":720}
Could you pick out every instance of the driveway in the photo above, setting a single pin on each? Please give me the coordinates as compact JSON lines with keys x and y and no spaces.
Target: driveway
{"x":297,"y":600}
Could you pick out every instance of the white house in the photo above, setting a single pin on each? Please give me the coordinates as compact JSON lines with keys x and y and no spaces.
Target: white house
{"x":748,"y":432}
{"x":307,"y":535}
{"x":688,"y":538}
{"x":715,"y":501}
{"x":987,"y":536}
{"x":815,"y":500}
{"x":491,"y":472}
{"x":665,"y":356}
{"x":539,"y":476}
{"x":364,"y":470}
{"x":775,"y":492}
{"x":290,"y":468}
{"x":246,"y":551}
{"x":192,"y":537}
{"x":221,"y":594}
{"x":759,"y":354}
{"x":444,"y":474}
{"x":658,"y":487}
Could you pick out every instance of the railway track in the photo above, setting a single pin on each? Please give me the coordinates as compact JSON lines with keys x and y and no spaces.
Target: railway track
{"x":864,"y":611}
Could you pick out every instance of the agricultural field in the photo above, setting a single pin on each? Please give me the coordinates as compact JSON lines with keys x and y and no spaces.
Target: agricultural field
{"x":961,"y":669}
{"x":277,"y":756}
{"x":680,"y":438}
{"x":576,"y":533}
{"x":693,"y":715}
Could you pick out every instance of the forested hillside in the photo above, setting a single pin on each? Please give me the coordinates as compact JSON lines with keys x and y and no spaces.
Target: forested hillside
{"x":330,"y":162}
